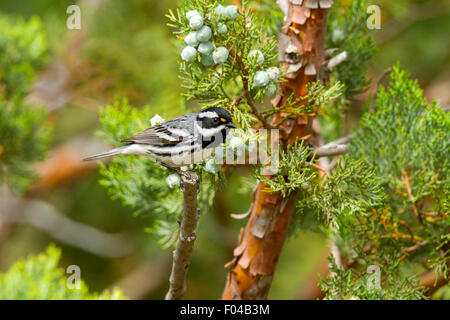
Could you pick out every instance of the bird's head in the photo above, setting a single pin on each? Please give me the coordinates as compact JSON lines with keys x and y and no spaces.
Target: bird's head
{"x":215,"y":118}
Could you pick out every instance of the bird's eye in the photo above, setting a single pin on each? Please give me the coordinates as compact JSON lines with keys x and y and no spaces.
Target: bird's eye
{"x":216,"y":120}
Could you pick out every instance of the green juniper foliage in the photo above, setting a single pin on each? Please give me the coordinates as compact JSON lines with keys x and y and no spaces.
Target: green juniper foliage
{"x":23,"y":50}
{"x":351,"y":190}
{"x":24,"y":138}
{"x":248,"y":54}
{"x":294,"y":171}
{"x":24,"y":134}
{"x":354,"y":284}
{"x":38,"y":277}
{"x":385,"y":204}
{"x":406,"y":141}
{"x":318,"y":98}
{"x":346,"y":31}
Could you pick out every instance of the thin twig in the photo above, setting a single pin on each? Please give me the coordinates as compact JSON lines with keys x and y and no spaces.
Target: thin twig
{"x":413,"y":248}
{"x":185,"y":245}
{"x":408,"y":227}
{"x":238,"y":99}
{"x":377,"y":88}
{"x":234,"y":60}
{"x":258,"y":114}
{"x":318,"y":167}
{"x":417,"y":246}
{"x":411,"y":198}
{"x":247,"y":94}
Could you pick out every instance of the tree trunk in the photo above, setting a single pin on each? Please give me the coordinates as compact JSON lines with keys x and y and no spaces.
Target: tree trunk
{"x":256,"y":255}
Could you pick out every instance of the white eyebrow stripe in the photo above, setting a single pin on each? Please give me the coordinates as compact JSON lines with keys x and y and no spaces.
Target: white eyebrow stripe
{"x":208,"y":114}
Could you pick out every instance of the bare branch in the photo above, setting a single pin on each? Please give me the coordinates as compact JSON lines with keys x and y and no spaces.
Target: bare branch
{"x":186,"y":239}
{"x":334,"y":148}
{"x":331,"y":149}
{"x":45,"y":217}
{"x":336,"y":60}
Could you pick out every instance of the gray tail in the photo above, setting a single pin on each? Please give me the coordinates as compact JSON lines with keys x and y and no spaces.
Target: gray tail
{"x":106,"y":154}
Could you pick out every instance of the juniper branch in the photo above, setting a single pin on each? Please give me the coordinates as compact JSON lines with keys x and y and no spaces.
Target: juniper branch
{"x":255,"y":110}
{"x":185,"y":245}
{"x":238,"y":99}
{"x":247,"y":94}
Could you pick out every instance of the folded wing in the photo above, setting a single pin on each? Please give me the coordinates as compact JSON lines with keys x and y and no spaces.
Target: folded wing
{"x":158,"y":135}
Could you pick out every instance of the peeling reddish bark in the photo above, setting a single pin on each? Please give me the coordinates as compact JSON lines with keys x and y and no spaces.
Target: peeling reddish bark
{"x":260,"y":243}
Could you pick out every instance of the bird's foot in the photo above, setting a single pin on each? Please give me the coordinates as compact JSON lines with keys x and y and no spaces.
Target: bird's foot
{"x":171,"y":168}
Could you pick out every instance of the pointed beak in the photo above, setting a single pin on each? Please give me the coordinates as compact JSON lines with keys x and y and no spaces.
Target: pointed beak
{"x":231,"y":125}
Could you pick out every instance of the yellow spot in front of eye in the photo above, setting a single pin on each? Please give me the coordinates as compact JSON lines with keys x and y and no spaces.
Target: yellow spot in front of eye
{"x":223,"y":120}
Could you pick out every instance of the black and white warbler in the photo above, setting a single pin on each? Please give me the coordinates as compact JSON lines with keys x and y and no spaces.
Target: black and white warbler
{"x":184,"y":140}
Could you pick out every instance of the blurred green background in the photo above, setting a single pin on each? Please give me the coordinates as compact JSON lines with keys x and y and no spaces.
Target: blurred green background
{"x":125,"y":49}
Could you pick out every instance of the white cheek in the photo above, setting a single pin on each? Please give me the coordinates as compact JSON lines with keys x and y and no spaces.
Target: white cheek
{"x":209,"y":132}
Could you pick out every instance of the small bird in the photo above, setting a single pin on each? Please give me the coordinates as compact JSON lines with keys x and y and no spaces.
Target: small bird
{"x":181,"y":141}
